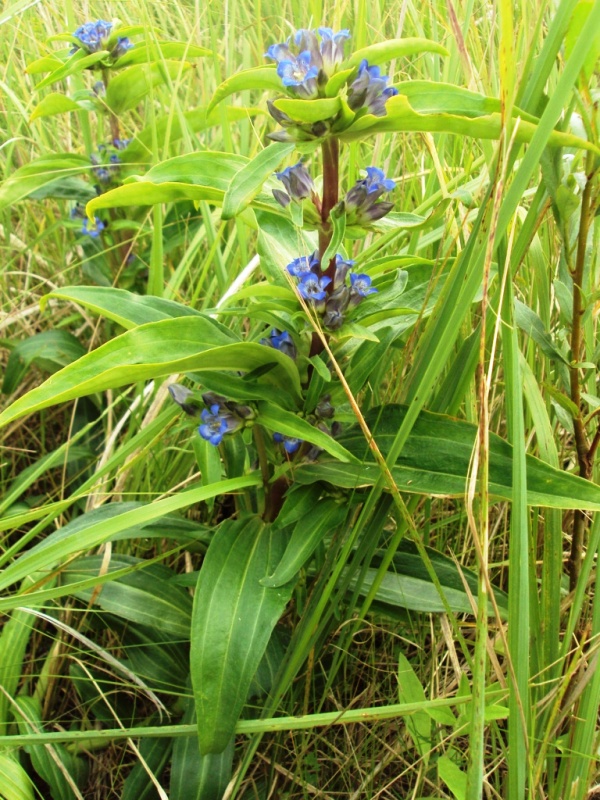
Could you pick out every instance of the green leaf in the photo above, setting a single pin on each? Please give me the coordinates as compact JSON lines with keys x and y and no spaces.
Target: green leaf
{"x":12,"y":10}
{"x":249,"y":180}
{"x":197,"y":176}
{"x":437,"y":107}
{"x":43,"y":64}
{"x":279,"y":421}
{"x":79,"y":61}
{"x":309,"y":110}
{"x":143,"y":53}
{"x":529,"y":322}
{"x":196,"y":777}
{"x":129,"y":87}
{"x":103,"y":524}
{"x":436,"y":461}
{"x":338,"y":222}
{"x":322,"y":520}
{"x":233,"y":618}
{"x":54,"y":103}
{"x":138,"y":784}
{"x":14,"y":640}
{"x":394,"y":48}
{"x":15,"y":783}
{"x":123,"y":307}
{"x":49,"y":350}
{"x":145,"y":596}
{"x":453,"y":776}
{"x":152,"y":351}
{"x":279,"y":243}
{"x":38,"y":173}
{"x":411,"y":691}
{"x":256,"y":78}
{"x":29,"y":721}
{"x":578,"y":22}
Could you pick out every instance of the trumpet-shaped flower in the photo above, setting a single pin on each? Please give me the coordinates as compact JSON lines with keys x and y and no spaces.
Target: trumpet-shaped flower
{"x":303,"y":265}
{"x":362,"y":202}
{"x":370,"y":90}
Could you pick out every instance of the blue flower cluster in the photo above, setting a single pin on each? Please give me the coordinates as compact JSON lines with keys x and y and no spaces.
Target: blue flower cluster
{"x":92,"y":37}
{"x":370,"y":90}
{"x":312,"y":64}
{"x":313,"y":286}
{"x":362,"y":203}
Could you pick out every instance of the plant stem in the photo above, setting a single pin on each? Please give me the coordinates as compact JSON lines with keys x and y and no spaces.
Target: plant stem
{"x":331,"y":193}
{"x":584,"y":451}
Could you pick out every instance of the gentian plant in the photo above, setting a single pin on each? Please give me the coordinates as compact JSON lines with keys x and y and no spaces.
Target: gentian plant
{"x":304,"y":476}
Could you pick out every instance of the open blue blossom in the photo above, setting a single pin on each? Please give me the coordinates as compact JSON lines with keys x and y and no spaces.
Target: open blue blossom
{"x":92,"y":37}
{"x":282,"y":342}
{"x":370,"y":90}
{"x":214,"y":425}
{"x":360,"y":287}
{"x":216,"y":422}
{"x":92,"y":230}
{"x":290,"y":443}
{"x":298,"y":184}
{"x":311,"y":287}
{"x":304,"y":265}
{"x":362,"y":201}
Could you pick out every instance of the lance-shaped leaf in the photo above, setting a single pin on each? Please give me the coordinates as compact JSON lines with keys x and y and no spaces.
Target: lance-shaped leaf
{"x":256,"y":78}
{"x":249,"y":180}
{"x":280,"y":421}
{"x":233,"y":618}
{"x":123,"y":307}
{"x":33,"y":176}
{"x":436,"y":461}
{"x":439,"y":107}
{"x":196,"y":176}
{"x":104,"y":523}
{"x":394,"y":48}
{"x":54,"y":103}
{"x":146,"y":595}
{"x":153,"y":351}
{"x":79,"y":61}
{"x":142,"y":53}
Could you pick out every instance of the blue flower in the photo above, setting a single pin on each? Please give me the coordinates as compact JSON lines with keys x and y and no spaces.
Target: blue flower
{"x":360,"y":287}
{"x":370,"y":90}
{"x":362,"y":201}
{"x":181,"y":395}
{"x":300,"y":74}
{"x":282,"y":342}
{"x":298,"y":183}
{"x":332,"y":47}
{"x":93,"y":37}
{"x":290,"y":443}
{"x":311,"y":287}
{"x":121,"y":144}
{"x":304,"y":265}
{"x":217,"y":422}
{"x":94,"y":231}
{"x":342,"y":267}
{"x":214,"y":425}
